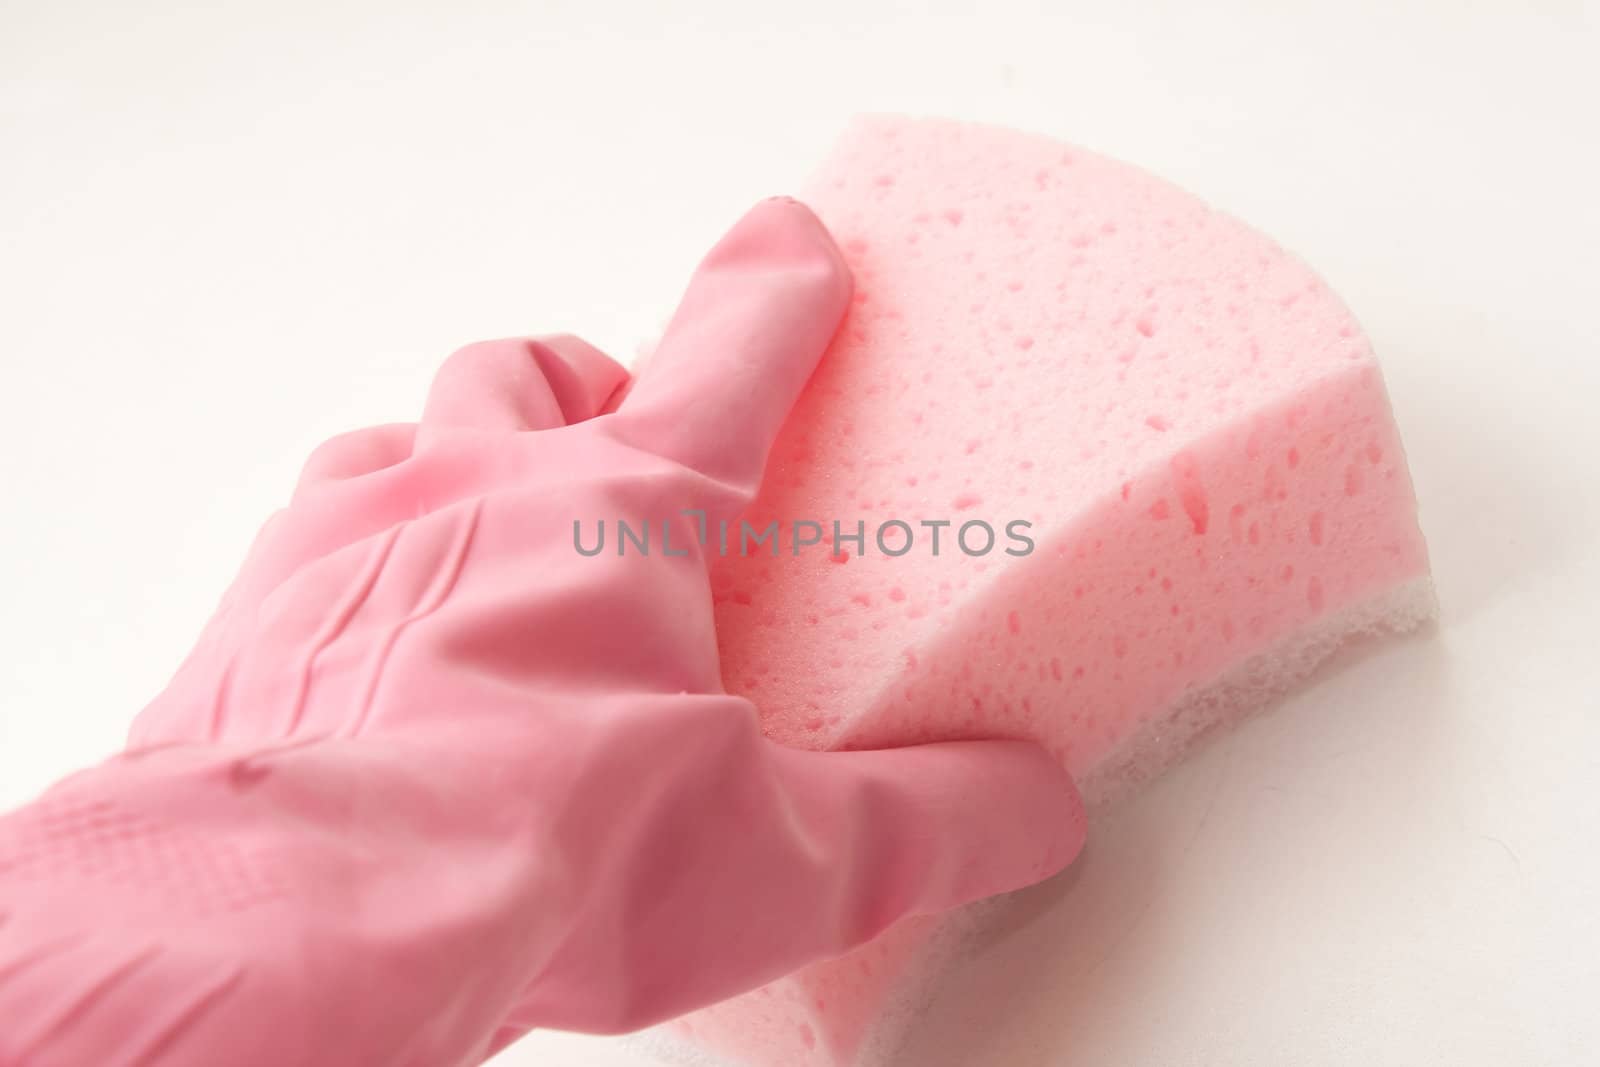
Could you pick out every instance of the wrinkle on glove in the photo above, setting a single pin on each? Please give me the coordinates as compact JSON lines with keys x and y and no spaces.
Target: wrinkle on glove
{"x":431,"y":778}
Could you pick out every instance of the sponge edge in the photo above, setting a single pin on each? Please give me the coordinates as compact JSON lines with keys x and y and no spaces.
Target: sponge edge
{"x":1190,"y":419}
{"x":1252,"y":686}
{"x":753,"y":1037}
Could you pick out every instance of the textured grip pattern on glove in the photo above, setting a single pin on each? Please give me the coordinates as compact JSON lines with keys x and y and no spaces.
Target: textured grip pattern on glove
{"x":71,"y":839}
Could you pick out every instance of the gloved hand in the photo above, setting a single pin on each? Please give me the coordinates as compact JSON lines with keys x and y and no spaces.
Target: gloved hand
{"x":432,"y":778}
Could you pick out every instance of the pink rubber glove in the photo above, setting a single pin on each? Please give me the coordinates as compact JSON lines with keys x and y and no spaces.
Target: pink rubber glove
{"x":432,"y":778}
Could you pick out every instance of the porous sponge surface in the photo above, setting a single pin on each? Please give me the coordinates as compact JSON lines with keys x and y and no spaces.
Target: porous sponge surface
{"x":1191,"y":421}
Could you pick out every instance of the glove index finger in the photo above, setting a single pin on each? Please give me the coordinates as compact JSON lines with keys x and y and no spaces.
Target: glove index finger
{"x":758,"y":314}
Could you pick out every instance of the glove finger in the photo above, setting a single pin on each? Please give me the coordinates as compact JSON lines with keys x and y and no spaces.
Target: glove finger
{"x":584,"y":379}
{"x":758,"y":314}
{"x":516,"y":384}
{"x":358,"y":452}
{"x":759,"y":859}
{"x":886,"y":834}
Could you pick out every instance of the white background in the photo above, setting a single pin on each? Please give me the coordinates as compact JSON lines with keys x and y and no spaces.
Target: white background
{"x":230,"y":230}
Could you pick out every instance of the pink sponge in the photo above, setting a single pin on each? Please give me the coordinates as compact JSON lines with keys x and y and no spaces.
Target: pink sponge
{"x":1190,"y":422}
